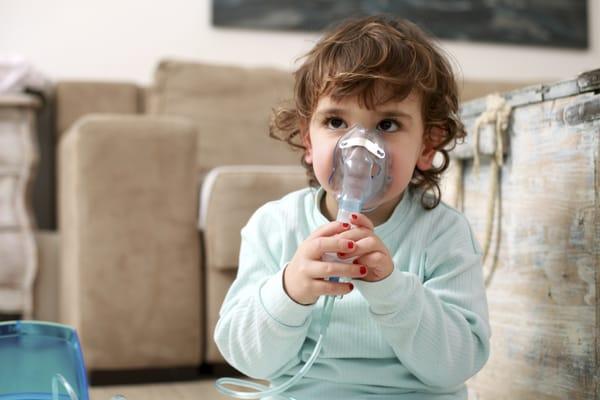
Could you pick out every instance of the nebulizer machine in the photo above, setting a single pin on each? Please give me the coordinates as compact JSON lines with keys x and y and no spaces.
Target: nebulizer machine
{"x":40,"y":361}
{"x":359,"y":179}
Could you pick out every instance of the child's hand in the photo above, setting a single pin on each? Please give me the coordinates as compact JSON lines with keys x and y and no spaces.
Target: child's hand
{"x":303,"y":278}
{"x":370,"y":250}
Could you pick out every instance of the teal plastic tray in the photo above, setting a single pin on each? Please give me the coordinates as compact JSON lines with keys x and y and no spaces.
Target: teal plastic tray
{"x":33,"y":353}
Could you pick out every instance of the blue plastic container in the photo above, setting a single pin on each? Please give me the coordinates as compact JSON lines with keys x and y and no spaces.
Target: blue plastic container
{"x":32,"y":354}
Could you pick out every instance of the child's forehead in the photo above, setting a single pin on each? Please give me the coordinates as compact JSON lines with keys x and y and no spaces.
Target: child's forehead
{"x":408,"y":103}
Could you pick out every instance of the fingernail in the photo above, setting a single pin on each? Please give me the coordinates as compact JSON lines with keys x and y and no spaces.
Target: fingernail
{"x":346,"y":225}
{"x":355,"y":261}
{"x":351,"y":286}
{"x":363,"y":270}
{"x":354,"y":216}
{"x":350,"y":245}
{"x":341,"y":254}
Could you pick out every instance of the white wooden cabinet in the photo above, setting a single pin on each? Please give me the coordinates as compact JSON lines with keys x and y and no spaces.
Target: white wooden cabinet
{"x":18,"y":160}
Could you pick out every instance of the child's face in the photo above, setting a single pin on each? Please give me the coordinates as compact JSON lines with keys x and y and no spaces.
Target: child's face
{"x":404,"y":130}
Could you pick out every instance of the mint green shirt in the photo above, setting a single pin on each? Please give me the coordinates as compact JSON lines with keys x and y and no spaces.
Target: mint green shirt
{"x":420,"y":333}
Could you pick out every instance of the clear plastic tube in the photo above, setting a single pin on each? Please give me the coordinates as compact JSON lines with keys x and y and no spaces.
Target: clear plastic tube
{"x":264,"y":391}
{"x":59,"y":379}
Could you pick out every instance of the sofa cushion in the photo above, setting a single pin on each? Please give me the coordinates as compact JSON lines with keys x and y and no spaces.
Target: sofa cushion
{"x":231,"y":107}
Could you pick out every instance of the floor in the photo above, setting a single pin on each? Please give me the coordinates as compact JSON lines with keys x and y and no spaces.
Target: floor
{"x":195,"y":390}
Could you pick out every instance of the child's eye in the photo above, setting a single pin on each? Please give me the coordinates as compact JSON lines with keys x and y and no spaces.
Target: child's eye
{"x":335,"y":123}
{"x":388,"y":125}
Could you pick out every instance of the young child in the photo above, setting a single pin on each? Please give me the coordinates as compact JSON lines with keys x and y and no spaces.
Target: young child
{"x":413,"y":322}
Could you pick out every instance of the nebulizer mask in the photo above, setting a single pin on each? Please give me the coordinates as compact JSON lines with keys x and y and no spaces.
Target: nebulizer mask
{"x":360,"y":171}
{"x":359,"y":179}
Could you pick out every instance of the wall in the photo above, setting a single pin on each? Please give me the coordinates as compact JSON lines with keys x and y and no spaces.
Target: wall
{"x":123,"y":40}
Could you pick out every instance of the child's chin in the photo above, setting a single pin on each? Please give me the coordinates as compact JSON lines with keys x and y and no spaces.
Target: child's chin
{"x":389,"y":199}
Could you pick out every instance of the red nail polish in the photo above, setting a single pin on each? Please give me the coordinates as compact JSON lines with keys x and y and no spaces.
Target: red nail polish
{"x":354,"y":216}
{"x":355,"y":261}
{"x":341,"y":254}
{"x":350,"y":245}
{"x":363,"y":270}
{"x":346,"y":225}
{"x":351,"y":286}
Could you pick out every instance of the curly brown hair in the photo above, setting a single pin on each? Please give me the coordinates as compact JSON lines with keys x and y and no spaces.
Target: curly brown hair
{"x":357,"y":59}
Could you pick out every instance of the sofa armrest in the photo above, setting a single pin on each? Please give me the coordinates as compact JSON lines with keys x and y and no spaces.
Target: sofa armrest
{"x":230,"y":195}
{"x":130,"y":280}
{"x":75,"y":99}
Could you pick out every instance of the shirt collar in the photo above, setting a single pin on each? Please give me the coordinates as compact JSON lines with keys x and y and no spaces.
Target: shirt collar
{"x":399,"y":213}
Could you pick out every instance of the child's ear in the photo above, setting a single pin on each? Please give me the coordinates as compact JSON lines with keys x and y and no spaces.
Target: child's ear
{"x":305,"y":134}
{"x":434,"y":137}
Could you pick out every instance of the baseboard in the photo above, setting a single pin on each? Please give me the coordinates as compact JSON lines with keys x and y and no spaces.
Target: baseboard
{"x":154,"y":375}
{"x":141,"y":376}
{"x":9,"y":317}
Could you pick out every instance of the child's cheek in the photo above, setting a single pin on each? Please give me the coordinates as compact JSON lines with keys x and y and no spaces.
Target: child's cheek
{"x":401,"y":172}
{"x":322,"y":164}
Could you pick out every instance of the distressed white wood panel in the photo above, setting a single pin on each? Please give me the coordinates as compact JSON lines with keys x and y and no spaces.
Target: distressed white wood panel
{"x":543,"y":294}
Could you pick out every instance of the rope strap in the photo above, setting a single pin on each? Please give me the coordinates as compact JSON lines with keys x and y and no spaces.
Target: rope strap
{"x":497,"y":113}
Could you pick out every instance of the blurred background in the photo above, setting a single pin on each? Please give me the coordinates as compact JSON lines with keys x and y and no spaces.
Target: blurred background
{"x":124,"y":40}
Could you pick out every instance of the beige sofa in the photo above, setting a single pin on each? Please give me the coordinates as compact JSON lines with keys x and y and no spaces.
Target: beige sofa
{"x":154,"y":186}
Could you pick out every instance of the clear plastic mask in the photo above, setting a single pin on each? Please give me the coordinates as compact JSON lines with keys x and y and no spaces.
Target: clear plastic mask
{"x":360,"y":173}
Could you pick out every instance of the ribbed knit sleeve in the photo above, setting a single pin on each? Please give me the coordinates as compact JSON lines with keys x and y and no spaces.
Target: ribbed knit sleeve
{"x":437,"y":325}
{"x":260,"y":329}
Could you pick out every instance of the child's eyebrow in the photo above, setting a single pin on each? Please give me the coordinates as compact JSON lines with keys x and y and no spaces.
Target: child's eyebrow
{"x":395,"y":113}
{"x":329,"y":111}
{"x":385,"y":113}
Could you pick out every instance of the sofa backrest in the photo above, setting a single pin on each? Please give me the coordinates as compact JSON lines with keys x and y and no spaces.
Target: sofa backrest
{"x":231,"y":107}
{"x":75,"y":99}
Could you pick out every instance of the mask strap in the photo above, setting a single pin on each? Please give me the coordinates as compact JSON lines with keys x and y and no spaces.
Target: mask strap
{"x":372,"y":147}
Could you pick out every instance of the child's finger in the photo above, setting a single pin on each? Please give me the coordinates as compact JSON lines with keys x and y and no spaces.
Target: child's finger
{"x":368,"y":244}
{"x":321,"y":269}
{"x":375,"y":263}
{"x":372,"y":259}
{"x":315,"y":248}
{"x":356,"y":233}
{"x":332,"y":288}
{"x":330,"y":229}
{"x":359,"y":219}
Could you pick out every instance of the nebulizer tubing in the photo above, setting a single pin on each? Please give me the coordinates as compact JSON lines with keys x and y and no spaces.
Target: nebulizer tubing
{"x":59,"y":379}
{"x":359,"y":178}
{"x":264,"y":391}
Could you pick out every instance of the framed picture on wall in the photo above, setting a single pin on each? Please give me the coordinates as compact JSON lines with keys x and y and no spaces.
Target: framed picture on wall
{"x":553,"y":23}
